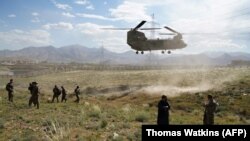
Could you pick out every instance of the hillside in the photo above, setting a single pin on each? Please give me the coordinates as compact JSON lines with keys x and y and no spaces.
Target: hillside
{"x":114,"y":104}
{"x":82,"y":54}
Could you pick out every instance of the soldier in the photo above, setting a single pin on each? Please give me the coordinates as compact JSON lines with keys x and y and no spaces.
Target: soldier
{"x":163,"y":111}
{"x":10,"y":89}
{"x":56,"y":93}
{"x":30,"y":88}
{"x":77,"y":92}
{"x":210,"y":107}
{"x":64,"y":93}
{"x":35,"y":94}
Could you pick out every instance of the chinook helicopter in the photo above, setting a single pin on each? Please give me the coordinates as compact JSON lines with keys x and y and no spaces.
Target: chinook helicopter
{"x":139,"y":42}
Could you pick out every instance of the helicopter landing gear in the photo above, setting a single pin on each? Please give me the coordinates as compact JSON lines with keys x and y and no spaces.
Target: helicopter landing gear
{"x":142,"y":52}
{"x":169,"y":52}
{"x":136,"y":52}
{"x":163,"y":52}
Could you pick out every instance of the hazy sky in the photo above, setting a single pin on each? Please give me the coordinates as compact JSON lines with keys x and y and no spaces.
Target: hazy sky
{"x":59,"y":23}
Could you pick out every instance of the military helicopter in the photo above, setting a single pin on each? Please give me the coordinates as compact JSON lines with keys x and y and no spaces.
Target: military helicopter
{"x":139,"y":42}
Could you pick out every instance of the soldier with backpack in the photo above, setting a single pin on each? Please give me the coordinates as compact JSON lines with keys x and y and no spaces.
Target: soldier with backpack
{"x":56,"y":93}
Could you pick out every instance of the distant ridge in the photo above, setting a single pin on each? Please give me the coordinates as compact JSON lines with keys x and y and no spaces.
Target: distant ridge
{"x":82,"y":54}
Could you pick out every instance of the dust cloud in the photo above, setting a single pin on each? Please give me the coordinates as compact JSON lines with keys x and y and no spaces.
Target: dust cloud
{"x":190,"y":83}
{"x":172,"y":91}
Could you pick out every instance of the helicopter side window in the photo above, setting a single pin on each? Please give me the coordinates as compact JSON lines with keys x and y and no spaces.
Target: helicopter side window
{"x":141,"y":37}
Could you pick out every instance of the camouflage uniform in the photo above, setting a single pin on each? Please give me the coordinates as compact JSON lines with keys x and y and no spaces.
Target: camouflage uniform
{"x":56,"y":94}
{"x":10,"y":89}
{"x":35,"y":95}
{"x":77,"y":92}
{"x":64,"y":93}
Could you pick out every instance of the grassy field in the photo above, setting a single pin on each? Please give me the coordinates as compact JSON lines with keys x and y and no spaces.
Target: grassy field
{"x":114,"y":104}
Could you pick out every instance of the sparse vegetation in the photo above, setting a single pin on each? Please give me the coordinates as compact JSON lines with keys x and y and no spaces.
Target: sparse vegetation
{"x":95,"y":112}
{"x":1,"y":123}
{"x":120,"y":102}
{"x":55,"y":131}
{"x":142,"y":117}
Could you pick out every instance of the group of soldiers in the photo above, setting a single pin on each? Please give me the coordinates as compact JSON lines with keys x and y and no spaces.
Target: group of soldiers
{"x":57,"y":92}
{"x":34,"y":91}
{"x":164,"y":107}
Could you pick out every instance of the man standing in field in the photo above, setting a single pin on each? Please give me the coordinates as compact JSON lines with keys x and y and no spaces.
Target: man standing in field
{"x":35,"y":94}
{"x":30,"y":88}
{"x":210,"y":107}
{"x":10,"y":90}
{"x":77,"y":93}
{"x":163,"y":111}
{"x":64,"y":93}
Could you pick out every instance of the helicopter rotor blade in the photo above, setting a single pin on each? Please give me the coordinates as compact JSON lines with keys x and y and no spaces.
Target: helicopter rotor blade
{"x":139,"y":25}
{"x":130,"y":28}
{"x":170,"y":29}
{"x":136,"y":28}
{"x":149,"y":28}
{"x":214,"y":34}
{"x":116,"y":28}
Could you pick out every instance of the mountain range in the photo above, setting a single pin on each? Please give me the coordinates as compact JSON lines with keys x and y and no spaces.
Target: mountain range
{"x":82,"y":54}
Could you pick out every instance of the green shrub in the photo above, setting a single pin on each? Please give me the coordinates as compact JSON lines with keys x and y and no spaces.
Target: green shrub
{"x":56,"y":131}
{"x":103,"y":124}
{"x":95,"y":112}
{"x":142,"y":117}
{"x":2,"y":122}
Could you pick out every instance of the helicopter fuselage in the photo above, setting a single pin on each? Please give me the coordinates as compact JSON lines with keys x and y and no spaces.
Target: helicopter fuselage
{"x":139,"y":42}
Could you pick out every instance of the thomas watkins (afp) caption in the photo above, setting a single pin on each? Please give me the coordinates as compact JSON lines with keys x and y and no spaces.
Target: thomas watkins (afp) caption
{"x":187,"y":132}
